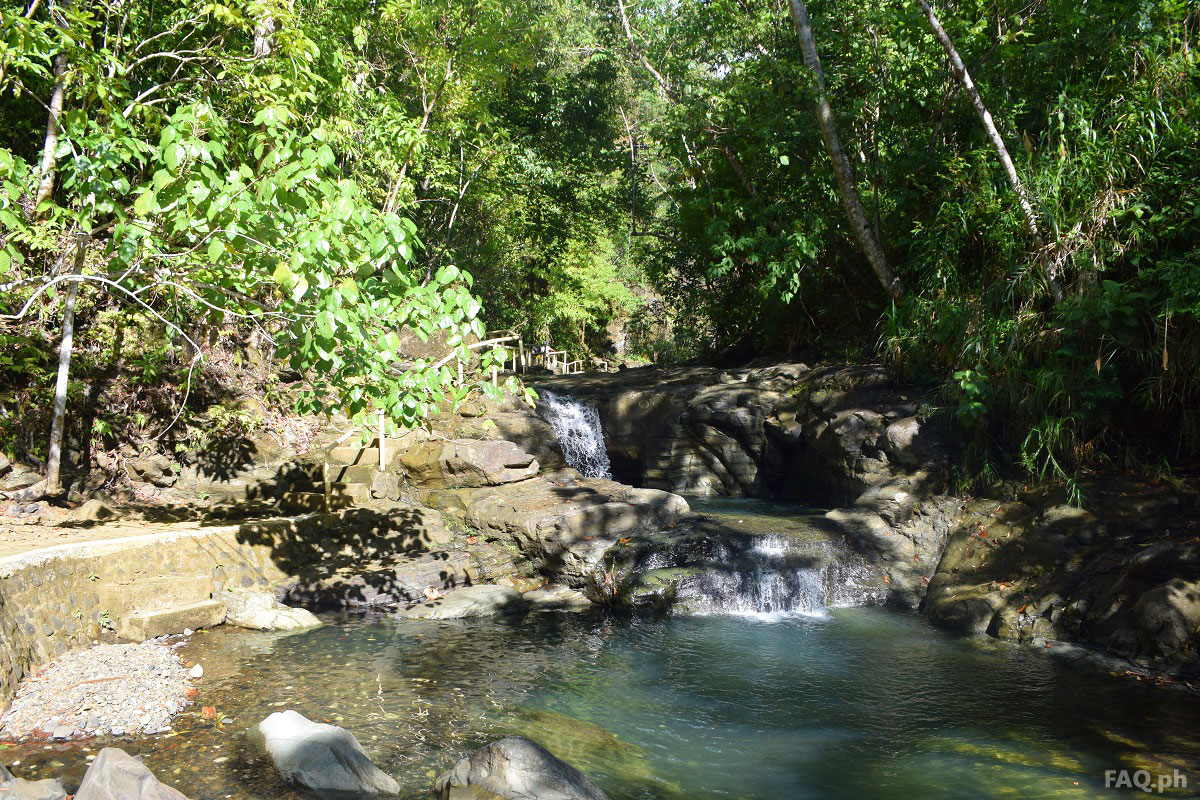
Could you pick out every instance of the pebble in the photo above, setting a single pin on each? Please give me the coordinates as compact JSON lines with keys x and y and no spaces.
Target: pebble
{"x":197,"y":671}
{"x":106,"y":690}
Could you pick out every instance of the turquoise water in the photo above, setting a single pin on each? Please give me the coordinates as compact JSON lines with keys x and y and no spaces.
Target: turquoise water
{"x":858,"y":703}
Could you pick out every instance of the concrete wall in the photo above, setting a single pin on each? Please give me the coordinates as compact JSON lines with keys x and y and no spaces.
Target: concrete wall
{"x":54,"y":600}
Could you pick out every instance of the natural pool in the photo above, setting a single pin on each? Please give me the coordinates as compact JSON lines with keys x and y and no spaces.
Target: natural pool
{"x":857,"y":703}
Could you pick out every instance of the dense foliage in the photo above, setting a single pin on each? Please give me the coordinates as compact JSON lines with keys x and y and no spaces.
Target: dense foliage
{"x":327,"y":176}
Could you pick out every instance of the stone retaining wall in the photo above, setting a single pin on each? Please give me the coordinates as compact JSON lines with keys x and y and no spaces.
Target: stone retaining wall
{"x":50,"y":599}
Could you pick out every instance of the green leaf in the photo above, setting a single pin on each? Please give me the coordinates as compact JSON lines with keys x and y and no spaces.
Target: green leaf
{"x":216,"y":248}
{"x":145,"y":203}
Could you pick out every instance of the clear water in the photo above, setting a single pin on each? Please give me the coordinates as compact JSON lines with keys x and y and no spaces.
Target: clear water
{"x":860,"y":703}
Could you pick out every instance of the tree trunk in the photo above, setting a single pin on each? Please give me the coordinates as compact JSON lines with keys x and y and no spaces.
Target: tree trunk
{"x":394,"y":194}
{"x":50,"y":148}
{"x":989,"y":125}
{"x":57,"y":424}
{"x":841,"y":163}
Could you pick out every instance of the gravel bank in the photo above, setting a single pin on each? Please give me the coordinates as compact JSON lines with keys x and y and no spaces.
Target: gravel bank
{"x":107,"y":690}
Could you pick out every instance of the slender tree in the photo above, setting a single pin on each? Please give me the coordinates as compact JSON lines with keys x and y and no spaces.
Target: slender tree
{"x":57,"y":423}
{"x":989,"y":125}
{"x":841,"y":163}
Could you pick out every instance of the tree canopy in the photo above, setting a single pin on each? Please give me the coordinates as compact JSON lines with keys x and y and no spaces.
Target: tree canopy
{"x":999,"y":199}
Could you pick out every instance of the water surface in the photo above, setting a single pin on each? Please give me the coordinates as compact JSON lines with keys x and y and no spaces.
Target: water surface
{"x":858,"y":703}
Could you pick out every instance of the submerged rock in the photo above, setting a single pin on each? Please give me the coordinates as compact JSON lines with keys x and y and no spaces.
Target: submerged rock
{"x":12,"y":788}
{"x":316,"y":756}
{"x":261,"y":611}
{"x":470,"y":601}
{"x":515,"y":768}
{"x":558,"y":598}
{"x":116,"y":775}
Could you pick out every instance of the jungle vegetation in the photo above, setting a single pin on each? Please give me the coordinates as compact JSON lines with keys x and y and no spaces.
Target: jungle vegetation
{"x":999,"y":199}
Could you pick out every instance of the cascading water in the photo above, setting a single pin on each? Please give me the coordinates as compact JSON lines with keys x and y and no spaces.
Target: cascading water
{"x":577,"y":426}
{"x":752,"y":557}
{"x":776,"y":575}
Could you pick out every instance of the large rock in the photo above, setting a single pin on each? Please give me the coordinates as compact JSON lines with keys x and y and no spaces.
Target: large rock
{"x":12,"y":788}
{"x":1122,"y":575}
{"x":470,"y":601}
{"x":822,"y":436}
{"x":116,"y":775}
{"x":319,"y":757}
{"x":467,"y":463}
{"x":564,"y":522}
{"x":515,"y":768}
{"x":1168,"y":617}
{"x":261,"y":611}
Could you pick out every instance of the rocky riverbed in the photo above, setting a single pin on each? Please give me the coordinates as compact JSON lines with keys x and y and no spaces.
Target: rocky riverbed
{"x":106,"y":690}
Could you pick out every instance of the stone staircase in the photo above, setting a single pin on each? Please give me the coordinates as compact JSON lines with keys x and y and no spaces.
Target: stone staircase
{"x":346,"y":477}
{"x":146,"y":606}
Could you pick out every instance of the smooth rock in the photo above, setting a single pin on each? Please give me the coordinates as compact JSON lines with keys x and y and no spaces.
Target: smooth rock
{"x":197,"y":671}
{"x":470,"y":601}
{"x":94,"y":510}
{"x":467,"y":463}
{"x":261,"y":611}
{"x":316,"y":756}
{"x":13,"y":788}
{"x":1168,"y":617}
{"x":116,"y":775}
{"x":515,"y":768}
{"x":560,"y":598}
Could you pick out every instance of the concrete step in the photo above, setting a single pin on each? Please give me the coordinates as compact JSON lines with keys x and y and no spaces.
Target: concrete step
{"x":361,"y":473}
{"x":297,"y":502}
{"x":153,"y":592}
{"x":353,"y":453}
{"x":355,"y":492}
{"x":139,"y":626}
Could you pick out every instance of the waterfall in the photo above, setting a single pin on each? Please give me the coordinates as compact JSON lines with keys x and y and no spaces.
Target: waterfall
{"x":577,"y":426}
{"x":772,"y":575}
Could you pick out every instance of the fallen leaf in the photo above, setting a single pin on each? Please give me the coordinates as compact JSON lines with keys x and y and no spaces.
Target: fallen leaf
{"x":208,"y":712}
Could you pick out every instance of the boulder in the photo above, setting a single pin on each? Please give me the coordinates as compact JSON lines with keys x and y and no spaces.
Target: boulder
{"x":467,"y":463}
{"x":156,"y":468}
{"x":914,"y":443}
{"x":116,"y":775}
{"x":558,"y":598}
{"x":1168,"y":617}
{"x":515,"y":768}
{"x":564,"y":522}
{"x":12,"y":788}
{"x":470,"y":601}
{"x":262,"y":612}
{"x":94,"y":510}
{"x":316,"y":756}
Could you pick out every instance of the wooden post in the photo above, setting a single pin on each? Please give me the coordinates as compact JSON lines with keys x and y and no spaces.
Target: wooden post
{"x":382,"y":445}
{"x":495,"y":381}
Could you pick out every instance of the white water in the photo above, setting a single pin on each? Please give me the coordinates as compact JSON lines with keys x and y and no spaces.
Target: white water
{"x":577,"y":426}
{"x":778,"y":576}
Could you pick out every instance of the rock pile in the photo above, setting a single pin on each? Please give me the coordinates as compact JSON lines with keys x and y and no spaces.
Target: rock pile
{"x":108,"y":690}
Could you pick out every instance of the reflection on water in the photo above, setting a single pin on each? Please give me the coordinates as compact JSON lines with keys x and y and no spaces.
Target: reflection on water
{"x":863,"y":703}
